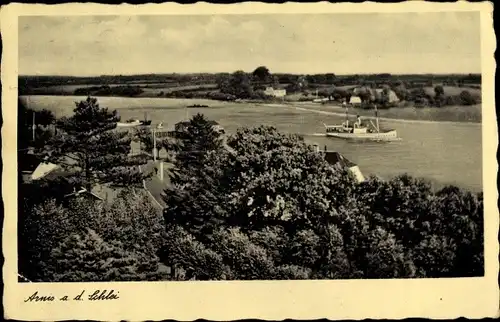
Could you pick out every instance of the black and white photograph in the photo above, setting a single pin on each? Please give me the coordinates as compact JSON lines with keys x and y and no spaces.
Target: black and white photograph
{"x":250,"y":147}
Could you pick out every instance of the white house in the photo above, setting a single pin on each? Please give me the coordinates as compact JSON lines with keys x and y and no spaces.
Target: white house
{"x":275,"y":92}
{"x":355,"y":100}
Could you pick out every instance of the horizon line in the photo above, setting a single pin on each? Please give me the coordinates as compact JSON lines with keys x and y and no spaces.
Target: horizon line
{"x":275,"y":73}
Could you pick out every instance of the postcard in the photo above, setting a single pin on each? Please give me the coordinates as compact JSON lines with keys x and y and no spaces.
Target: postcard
{"x":268,"y":161}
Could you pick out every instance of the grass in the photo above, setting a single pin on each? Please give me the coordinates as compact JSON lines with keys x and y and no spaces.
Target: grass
{"x":453,"y":90}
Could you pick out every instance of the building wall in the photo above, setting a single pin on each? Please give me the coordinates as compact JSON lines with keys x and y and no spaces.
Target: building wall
{"x":275,"y":92}
{"x":355,"y":100}
{"x":279,"y":92}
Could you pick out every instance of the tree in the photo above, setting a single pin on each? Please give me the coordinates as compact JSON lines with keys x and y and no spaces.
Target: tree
{"x":238,"y":84}
{"x":460,"y":216}
{"x":262,"y":74}
{"x":267,"y":179}
{"x":44,"y":117}
{"x":193,"y":142}
{"x":230,"y":254}
{"x":88,"y":257}
{"x":269,"y":206}
{"x":365,"y":95}
{"x":89,"y":241}
{"x":330,"y":78}
{"x":439,"y":90}
{"x":297,"y":84}
{"x":401,"y":91}
{"x":384,"y":257}
{"x":182,"y":251}
{"x":467,"y":98}
{"x":29,"y":120}
{"x":99,"y":152}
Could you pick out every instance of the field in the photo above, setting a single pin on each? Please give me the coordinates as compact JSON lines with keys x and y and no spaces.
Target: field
{"x":453,"y":90}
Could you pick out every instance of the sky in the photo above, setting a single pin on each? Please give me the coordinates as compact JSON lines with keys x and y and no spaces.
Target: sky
{"x":347,"y":43}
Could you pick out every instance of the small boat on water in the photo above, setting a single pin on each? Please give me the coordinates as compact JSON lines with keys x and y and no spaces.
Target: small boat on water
{"x":134,"y":122}
{"x":359,"y":131}
{"x":129,"y":123}
{"x":197,"y":106}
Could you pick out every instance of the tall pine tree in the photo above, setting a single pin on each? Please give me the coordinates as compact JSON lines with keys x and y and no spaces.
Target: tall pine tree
{"x":193,"y":140}
{"x":89,"y":145}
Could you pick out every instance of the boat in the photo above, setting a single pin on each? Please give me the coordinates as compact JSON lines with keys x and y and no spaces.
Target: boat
{"x":129,"y":123}
{"x":197,"y":106}
{"x":358,"y":131}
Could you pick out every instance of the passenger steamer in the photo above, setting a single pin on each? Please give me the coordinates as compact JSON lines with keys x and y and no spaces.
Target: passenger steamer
{"x":358,"y":131}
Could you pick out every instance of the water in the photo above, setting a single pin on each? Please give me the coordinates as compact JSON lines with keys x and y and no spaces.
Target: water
{"x":444,"y":153}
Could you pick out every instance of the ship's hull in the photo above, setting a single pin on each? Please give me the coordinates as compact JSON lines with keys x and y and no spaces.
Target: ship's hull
{"x":391,"y":135}
{"x":131,"y":124}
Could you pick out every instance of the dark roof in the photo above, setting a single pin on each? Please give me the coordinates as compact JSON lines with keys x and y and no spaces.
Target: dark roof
{"x":337,"y":158}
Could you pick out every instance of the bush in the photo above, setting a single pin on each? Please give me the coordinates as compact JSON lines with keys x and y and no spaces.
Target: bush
{"x":92,"y":241}
{"x":467,"y":99}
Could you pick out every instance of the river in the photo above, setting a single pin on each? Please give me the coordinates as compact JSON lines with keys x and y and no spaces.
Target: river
{"x":444,"y":153}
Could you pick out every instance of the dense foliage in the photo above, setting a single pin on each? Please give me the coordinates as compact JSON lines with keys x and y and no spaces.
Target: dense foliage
{"x":270,"y":207}
{"x":27,"y":82}
{"x":251,"y":85}
{"x":89,"y":241}
{"x":88,"y":144}
{"x":107,"y":90}
{"x":35,"y":127}
{"x":257,"y":204}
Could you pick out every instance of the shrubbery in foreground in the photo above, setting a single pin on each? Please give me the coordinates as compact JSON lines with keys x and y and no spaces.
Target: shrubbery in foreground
{"x":92,"y":241}
{"x":267,"y":207}
{"x":276,"y":206}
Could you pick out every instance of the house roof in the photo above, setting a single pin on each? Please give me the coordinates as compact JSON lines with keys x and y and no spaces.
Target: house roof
{"x":337,"y":158}
{"x":48,"y":170}
{"x":43,"y":170}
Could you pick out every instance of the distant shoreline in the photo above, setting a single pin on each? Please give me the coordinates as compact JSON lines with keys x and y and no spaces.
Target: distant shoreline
{"x":445,"y":115}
